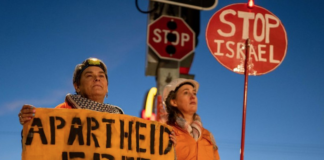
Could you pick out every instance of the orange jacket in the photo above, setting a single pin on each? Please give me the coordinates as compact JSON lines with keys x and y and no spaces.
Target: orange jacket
{"x":188,"y":149}
{"x":64,"y":105}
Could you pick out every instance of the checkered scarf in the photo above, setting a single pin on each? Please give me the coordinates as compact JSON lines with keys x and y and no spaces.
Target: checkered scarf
{"x":77,"y":101}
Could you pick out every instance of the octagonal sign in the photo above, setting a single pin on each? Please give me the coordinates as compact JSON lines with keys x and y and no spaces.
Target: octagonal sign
{"x":171,"y":38}
{"x":230,"y":27}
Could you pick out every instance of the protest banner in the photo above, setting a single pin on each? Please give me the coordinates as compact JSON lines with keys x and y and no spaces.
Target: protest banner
{"x":69,"y":134}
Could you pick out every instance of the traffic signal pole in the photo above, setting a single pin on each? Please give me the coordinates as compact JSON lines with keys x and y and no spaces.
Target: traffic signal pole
{"x":172,"y":37}
{"x":166,"y":67}
{"x":166,"y":72}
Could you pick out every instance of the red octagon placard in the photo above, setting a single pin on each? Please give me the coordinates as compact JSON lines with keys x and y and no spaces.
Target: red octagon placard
{"x":230,"y":27}
{"x":171,"y":38}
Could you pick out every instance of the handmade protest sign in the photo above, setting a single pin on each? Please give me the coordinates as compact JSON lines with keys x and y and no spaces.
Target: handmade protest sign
{"x":230,"y":27}
{"x":69,"y":134}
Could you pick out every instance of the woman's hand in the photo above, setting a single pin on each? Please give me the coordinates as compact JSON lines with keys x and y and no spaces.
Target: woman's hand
{"x":26,"y":113}
{"x":173,"y":138}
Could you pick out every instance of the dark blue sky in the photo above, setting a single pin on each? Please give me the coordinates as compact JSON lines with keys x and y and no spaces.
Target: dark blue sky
{"x":42,"y":41}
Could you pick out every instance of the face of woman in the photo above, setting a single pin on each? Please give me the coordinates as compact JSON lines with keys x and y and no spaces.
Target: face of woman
{"x":93,"y":84}
{"x":186,"y":100}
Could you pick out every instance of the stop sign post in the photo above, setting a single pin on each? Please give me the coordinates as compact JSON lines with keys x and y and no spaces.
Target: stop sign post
{"x":238,"y":31}
{"x":231,"y":26}
{"x":171,"y":38}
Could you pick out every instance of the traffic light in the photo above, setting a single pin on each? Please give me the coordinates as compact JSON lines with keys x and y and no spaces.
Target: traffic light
{"x":147,"y":113}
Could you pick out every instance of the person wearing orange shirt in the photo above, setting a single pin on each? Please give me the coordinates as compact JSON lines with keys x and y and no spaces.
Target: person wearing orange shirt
{"x":193,"y":142}
{"x":90,"y":81}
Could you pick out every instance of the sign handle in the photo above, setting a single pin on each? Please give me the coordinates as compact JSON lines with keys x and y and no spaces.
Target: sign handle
{"x":246,"y":75}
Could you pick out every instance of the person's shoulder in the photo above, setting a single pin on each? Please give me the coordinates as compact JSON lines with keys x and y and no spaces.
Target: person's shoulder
{"x":207,"y":134}
{"x":63,"y":105}
{"x":116,"y":107}
{"x":178,"y":130}
{"x":210,"y":137}
{"x":204,"y":130}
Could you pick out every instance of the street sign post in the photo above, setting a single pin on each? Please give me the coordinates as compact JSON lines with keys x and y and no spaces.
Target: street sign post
{"x":194,"y":4}
{"x":246,"y":39}
{"x":171,"y":38}
{"x":231,"y":26}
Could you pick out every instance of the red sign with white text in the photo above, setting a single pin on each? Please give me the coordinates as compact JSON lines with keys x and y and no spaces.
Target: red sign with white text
{"x":230,"y":27}
{"x":171,"y":38}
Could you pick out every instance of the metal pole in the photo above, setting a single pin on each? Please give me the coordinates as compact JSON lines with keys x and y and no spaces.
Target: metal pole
{"x":159,"y":107}
{"x":246,"y":75}
{"x":167,"y":71}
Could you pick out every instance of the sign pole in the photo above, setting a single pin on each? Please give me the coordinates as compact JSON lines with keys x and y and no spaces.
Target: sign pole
{"x":246,"y":75}
{"x":271,"y":43}
{"x":167,"y":71}
{"x":161,"y":113}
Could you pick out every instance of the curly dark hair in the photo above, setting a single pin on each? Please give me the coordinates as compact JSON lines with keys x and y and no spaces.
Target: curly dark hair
{"x":174,"y":112}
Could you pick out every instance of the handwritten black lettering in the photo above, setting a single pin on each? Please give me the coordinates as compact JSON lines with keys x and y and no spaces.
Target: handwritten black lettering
{"x":52,"y":126}
{"x":72,"y":155}
{"x":152,"y":136}
{"x":108,"y":131}
{"x":96,"y":156}
{"x":139,"y":136}
{"x":124,"y":134}
{"x":89,"y":128}
{"x":76,"y":130}
{"x":36,"y":123}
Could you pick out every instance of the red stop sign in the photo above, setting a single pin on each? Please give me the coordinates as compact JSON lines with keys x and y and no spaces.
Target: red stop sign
{"x":171,"y":38}
{"x":231,"y":26}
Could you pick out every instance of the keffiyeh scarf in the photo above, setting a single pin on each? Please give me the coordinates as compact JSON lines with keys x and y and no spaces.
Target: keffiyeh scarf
{"x":80,"y":102}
